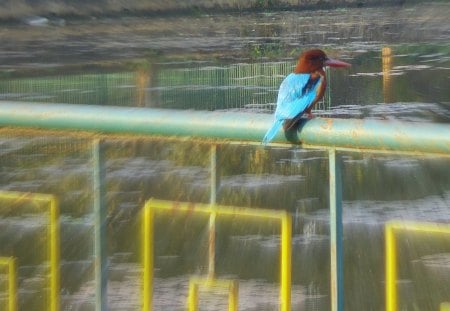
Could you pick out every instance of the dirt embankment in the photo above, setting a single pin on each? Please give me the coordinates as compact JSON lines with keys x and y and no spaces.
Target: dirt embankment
{"x":21,"y":9}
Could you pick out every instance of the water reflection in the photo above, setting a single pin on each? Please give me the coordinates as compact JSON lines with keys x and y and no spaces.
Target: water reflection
{"x":386,"y":54}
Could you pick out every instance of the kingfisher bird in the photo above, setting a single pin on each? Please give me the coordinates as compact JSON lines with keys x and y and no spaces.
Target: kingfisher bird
{"x":301,"y":90}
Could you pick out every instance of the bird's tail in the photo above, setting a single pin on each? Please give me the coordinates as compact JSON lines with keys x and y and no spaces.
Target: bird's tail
{"x":270,"y":134}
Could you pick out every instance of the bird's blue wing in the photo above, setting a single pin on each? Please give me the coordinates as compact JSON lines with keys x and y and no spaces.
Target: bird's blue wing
{"x":293,"y":99}
{"x":273,"y":130}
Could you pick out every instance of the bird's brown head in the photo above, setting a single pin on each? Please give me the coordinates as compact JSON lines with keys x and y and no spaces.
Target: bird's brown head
{"x":314,"y":60}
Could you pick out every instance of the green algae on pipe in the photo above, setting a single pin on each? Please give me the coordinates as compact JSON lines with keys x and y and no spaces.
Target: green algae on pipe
{"x":231,"y":126}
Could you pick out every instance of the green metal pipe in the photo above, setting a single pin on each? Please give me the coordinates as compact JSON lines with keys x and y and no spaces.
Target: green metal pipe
{"x":232,"y":126}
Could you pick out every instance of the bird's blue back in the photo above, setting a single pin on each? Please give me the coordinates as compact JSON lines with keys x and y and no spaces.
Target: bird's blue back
{"x":294,"y":97}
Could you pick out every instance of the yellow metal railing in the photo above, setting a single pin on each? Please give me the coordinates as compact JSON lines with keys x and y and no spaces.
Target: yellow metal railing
{"x":10,"y":264}
{"x":152,"y":206}
{"x":52,"y":237}
{"x":391,"y":229}
{"x":232,"y":286}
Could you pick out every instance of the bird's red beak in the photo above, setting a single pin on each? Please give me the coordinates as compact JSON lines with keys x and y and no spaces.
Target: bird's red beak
{"x":335,"y":63}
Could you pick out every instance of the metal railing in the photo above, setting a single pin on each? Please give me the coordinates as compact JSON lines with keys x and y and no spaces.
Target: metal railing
{"x":333,"y":135}
{"x":152,"y":206}
{"x":52,"y":239}
{"x":242,"y":127}
{"x":391,"y":230}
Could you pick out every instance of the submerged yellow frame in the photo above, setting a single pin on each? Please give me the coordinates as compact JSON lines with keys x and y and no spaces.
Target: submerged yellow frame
{"x":391,"y":228}
{"x":151,"y":206}
{"x":10,"y":263}
{"x":52,"y":237}
{"x":231,"y":285}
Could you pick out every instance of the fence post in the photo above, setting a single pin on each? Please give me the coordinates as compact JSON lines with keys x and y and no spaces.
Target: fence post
{"x":336,"y":232}
{"x":214,"y":174}
{"x":147,"y":241}
{"x":212,"y":218}
{"x":100,"y":250}
{"x":286,"y":262}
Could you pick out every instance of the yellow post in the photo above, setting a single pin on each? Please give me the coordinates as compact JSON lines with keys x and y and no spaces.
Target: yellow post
{"x":9,"y":262}
{"x":147,"y":258}
{"x":193,"y":296}
{"x":233,"y":297}
{"x":12,"y":284}
{"x":391,"y":229}
{"x":285,"y":282}
{"x":445,"y":306}
{"x":53,"y":236}
{"x":391,"y":268}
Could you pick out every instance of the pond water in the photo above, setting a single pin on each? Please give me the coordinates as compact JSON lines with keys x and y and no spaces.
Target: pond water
{"x":223,"y":61}
{"x":401,"y":70}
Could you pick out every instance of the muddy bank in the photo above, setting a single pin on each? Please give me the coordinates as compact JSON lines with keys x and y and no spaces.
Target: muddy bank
{"x":23,"y":9}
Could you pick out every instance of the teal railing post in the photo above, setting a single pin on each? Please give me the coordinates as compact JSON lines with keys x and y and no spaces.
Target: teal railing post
{"x":100,"y":251}
{"x":336,"y":232}
{"x":215,"y":177}
{"x":214,"y":184}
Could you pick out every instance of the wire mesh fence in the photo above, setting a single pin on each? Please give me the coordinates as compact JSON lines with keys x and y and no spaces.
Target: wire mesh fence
{"x":100,"y":89}
{"x":249,"y":86}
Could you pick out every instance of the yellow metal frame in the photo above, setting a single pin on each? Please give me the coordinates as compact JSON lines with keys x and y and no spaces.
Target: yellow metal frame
{"x":207,"y":283}
{"x":152,"y":206}
{"x":391,"y":229}
{"x":10,"y":263}
{"x":52,"y":237}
